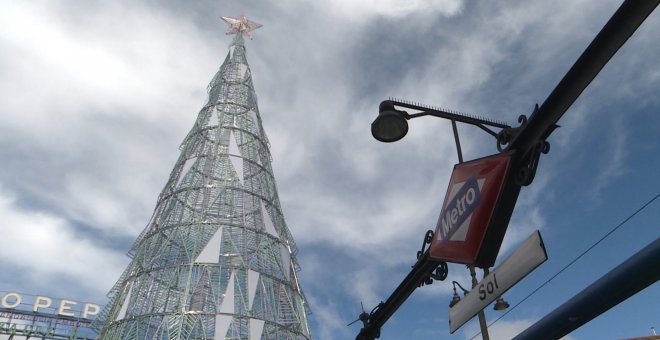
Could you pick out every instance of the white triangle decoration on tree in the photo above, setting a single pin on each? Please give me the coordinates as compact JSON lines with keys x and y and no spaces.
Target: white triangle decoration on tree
{"x":211,"y":252}
{"x":228,"y":302}
{"x":222,"y":323}
{"x":235,"y":156}
{"x":268,"y":222}
{"x":253,"y":280}
{"x":186,"y":167}
{"x":286,"y":261}
{"x":213,"y":119}
{"x":124,"y":306}
{"x":256,"y":329}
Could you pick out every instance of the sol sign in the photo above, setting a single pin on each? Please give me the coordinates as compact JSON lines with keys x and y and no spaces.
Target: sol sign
{"x":12,"y":300}
{"x":466,"y":215}
{"x":529,"y":255}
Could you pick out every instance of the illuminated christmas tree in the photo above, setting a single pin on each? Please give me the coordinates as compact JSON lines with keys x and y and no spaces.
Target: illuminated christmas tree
{"x":216,"y":260}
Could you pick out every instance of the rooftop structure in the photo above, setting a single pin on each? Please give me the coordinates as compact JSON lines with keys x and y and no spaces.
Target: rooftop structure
{"x":28,"y":316}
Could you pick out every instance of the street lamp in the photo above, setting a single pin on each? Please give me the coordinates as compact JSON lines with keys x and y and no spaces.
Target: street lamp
{"x":456,"y":299}
{"x":500,"y":304}
{"x":391,"y":124}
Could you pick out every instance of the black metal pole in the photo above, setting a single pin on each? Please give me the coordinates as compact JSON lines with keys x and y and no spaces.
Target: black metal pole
{"x":458,"y":142}
{"x":638,"y":272}
{"x":481,"y":315}
{"x":377,"y":319}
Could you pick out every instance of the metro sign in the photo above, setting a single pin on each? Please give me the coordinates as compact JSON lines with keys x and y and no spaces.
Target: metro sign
{"x":467,"y":212}
{"x":457,"y":215}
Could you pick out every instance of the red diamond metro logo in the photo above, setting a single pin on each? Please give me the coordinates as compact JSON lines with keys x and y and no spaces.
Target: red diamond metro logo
{"x":473,"y":192}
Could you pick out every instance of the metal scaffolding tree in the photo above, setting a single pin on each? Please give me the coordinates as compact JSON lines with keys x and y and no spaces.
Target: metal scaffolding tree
{"x":216,"y":260}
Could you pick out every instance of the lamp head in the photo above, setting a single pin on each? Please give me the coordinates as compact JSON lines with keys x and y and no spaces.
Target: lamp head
{"x":500,"y":304}
{"x":390,"y":125}
{"x":455,"y":299}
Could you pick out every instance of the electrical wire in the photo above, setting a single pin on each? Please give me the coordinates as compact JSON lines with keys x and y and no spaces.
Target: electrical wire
{"x":573,"y":261}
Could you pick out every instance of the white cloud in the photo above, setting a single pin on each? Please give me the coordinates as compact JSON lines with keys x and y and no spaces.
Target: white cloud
{"x":89,"y":66}
{"x":614,"y":164}
{"x":46,"y":246}
{"x":331,"y":324}
{"x":396,"y":8}
{"x":87,"y":98}
{"x":364,"y":11}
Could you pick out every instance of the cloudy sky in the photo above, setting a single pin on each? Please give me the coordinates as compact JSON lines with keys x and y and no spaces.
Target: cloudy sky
{"x":96,"y":96}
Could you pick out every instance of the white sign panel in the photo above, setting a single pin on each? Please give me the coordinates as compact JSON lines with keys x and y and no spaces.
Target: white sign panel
{"x":523,"y":261}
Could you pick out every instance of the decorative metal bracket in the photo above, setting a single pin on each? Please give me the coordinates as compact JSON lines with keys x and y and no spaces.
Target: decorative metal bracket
{"x":529,"y":161}
{"x":428,"y":238}
{"x":525,"y":174}
{"x":438,"y":273}
{"x":509,"y":134}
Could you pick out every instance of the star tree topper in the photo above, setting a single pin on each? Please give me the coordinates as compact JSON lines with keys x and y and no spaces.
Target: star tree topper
{"x":241,"y":25}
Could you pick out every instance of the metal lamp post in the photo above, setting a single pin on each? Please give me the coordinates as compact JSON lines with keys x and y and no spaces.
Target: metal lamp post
{"x":391,"y":125}
{"x":455,"y":298}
